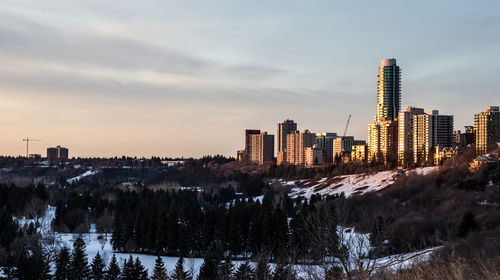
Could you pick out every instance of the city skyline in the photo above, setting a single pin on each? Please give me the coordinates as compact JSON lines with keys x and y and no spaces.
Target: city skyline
{"x":140,"y":80}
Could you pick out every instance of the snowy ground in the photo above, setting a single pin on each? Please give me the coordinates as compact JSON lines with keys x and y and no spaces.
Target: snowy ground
{"x":350,"y":184}
{"x":79,"y":177}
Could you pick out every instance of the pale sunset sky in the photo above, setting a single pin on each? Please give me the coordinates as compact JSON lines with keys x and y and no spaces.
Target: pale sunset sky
{"x":186,"y":78}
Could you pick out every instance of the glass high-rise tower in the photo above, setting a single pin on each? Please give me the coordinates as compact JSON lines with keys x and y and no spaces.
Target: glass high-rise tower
{"x":389,"y":90}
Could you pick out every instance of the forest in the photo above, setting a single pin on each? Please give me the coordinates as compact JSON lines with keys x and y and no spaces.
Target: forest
{"x":254,"y":222}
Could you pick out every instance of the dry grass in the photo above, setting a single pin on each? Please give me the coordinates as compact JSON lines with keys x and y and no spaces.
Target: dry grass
{"x":455,"y":269}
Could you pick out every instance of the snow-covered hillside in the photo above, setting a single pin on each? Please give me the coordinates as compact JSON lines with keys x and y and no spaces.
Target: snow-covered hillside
{"x":350,"y":184}
{"x":79,"y":177}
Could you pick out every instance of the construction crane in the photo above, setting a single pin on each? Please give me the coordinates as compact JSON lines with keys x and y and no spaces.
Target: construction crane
{"x":346,"y":126}
{"x":28,"y":140}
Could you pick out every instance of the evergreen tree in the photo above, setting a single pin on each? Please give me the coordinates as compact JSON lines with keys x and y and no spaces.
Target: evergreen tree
{"x":113,"y":272}
{"x":262,"y":271}
{"x":179,"y":273}
{"x":97,"y":268}
{"x":128,"y":270}
{"x":33,"y":265}
{"x":63,"y":266}
{"x":467,"y":224}
{"x":117,"y":237}
{"x":208,"y":270}
{"x":139,"y":271}
{"x":244,"y":272}
{"x":79,"y":266}
{"x":226,"y":269}
{"x":283,"y":272}
{"x":159,"y":272}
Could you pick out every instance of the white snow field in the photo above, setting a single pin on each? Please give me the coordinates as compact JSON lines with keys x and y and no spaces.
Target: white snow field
{"x":350,"y":184}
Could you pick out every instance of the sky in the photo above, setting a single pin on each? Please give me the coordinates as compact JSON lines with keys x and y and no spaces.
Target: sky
{"x":186,"y":78}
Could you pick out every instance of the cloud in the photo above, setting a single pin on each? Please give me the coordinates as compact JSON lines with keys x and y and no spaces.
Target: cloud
{"x":29,"y":39}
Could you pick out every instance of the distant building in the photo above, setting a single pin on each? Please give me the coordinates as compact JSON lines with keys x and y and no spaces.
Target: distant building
{"x":487,"y":129}
{"x":359,"y":153}
{"x":382,"y":140}
{"x":324,"y":141}
{"x":483,"y":160}
{"x":431,"y":130}
{"x":57,"y":153}
{"x":405,"y":134}
{"x":342,"y":146}
{"x":241,"y":156}
{"x":388,"y":90}
{"x":262,"y":148}
{"x":443,"y":153}
{"x":382,"y":133}
{"x":248,"y":145}
{"x":35,"y":156}
{"x":296,"y":144}
{"x":284,"y":128}
{"x":463,"y":139}
{"x":313,"y":156}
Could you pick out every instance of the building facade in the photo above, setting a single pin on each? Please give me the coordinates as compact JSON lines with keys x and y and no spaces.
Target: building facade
{"x":382,"y":140}
{"x":405,"y":134}
{"x":359,"y":153}
{"x":262,"y":147}
{"x":284,"y":128}
{"x":313,"y":156}
{"x":296,"y":144}
{"x":382,"y":133}
{"x":57,"y":153}
{"x":248,"y":143}
{"x":431,"y":130}
{"x":487,"y":129}
{"x":388,"y":90}
{"x":324,"y":141}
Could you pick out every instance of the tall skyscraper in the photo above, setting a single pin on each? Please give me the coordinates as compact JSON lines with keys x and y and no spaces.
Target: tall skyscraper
{"x":284,"y":128}
{"x":296,"y":144}
{"x":389,"y":90}
{"x":262,"y":150}
{"x":382,"y":133}
{"x":487,"y":129}
{"x":405,"y":133}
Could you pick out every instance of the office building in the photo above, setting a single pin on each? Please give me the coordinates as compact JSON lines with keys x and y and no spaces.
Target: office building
{"x":388,"y":90}
{"x":296,"y":144}
{"x":284,"y":128}
{"x":405,"y":134}
{"x":57,"y":153}
{"x":487,"y":129}
{"x":262,"y":147}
